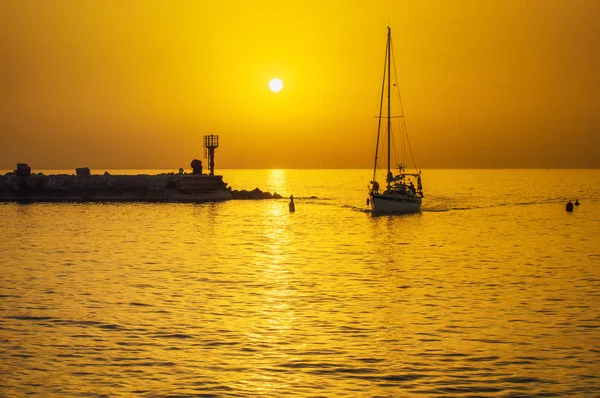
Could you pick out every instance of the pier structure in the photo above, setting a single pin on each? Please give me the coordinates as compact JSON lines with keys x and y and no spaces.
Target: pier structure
{"x":22,"y":185}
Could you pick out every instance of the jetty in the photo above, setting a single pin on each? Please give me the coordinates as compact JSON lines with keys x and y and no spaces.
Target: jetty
{"x":21,"y":185}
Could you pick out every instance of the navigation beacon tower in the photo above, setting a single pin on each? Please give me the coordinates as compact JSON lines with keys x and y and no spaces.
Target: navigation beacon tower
{"x":211,"y":142}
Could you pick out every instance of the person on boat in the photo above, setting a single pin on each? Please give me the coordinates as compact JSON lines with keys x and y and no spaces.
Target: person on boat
{"x":375,"y":186}
{"x":412,"y":187}
{"x":576,"y":202}
{"x":390,"y":176}
{"x":569,"y":206}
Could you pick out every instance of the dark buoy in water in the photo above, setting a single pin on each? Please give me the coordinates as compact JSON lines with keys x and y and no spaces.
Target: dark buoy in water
{"x":292,"y":205}
{"x":576,"y":202}
{"x":569,"y":206}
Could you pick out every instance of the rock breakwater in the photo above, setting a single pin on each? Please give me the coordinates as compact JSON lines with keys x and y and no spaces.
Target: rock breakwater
{"x":23,"y":186}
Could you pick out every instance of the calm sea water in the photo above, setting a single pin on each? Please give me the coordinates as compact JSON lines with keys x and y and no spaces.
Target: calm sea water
{"x":492,"y":291}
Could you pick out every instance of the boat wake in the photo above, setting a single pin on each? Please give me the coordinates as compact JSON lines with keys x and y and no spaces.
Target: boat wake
{"x":439,"y":207}
{"x":442,"y":208}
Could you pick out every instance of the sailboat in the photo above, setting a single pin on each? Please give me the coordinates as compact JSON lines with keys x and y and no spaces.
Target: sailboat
{"x":403,"y":192}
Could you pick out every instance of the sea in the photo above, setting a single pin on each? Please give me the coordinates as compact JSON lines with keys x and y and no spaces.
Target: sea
{"x":492,"y":290}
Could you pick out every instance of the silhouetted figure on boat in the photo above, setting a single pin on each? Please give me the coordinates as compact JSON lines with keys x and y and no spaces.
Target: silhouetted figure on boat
{"x":292,"y":205}
{"x":576,"y":202}
{"x":375,"y":186}
{"x":569,"y":206}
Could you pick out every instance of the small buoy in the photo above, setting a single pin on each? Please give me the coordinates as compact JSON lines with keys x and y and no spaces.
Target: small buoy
{"x":569,"y":206}
{"x":576,"y":202}
{"x":291,"y":205}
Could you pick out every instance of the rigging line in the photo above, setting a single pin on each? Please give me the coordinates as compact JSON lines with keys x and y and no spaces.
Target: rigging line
{"x":375,"y":128}
{"x":378,"y":170}
{"x":387,"y":49}
{"x":398,"y":158}
{"x":389,"y":81}
{"x":402,"y":109}
{"x":393,"y":145}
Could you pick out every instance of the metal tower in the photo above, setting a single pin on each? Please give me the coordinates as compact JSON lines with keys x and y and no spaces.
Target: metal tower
{"x":210,"y":143}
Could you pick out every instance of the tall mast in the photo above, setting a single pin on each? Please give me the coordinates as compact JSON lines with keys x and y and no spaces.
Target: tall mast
{"x":389,"y":119}
{"x":380,"y":111}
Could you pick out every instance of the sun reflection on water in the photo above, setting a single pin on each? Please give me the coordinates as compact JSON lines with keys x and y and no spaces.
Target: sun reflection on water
{"x":277,"y":180}
{"x":273,"y":329}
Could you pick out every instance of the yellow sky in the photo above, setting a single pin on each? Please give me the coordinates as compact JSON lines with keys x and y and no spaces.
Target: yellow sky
{"x":137,"y":83}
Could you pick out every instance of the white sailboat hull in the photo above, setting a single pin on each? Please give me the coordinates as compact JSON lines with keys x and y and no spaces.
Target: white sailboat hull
{"x":394,"y":204}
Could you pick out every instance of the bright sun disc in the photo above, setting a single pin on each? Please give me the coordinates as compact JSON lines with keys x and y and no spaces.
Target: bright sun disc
{"x":276,"y":85}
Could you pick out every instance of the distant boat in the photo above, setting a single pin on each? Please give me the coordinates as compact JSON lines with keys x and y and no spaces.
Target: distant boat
{"x":404,"y":191}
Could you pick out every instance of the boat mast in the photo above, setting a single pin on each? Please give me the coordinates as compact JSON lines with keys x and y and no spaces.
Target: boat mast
{"x":380,"y":113}
{"x":389,"y":119}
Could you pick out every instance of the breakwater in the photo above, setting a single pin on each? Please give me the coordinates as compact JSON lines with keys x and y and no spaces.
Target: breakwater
{"x":23,"y":186}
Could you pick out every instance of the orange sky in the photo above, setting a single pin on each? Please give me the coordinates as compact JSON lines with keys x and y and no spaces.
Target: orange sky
{"x":136,"y":84}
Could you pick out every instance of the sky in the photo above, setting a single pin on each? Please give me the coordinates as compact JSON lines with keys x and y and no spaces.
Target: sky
{"x":136,"y":84}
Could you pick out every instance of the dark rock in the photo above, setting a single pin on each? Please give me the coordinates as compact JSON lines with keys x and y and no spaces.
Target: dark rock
{"x":23,"y":170}
{"x":255,"y":194}
{"x":196,"y":166}
{"x":83,"y":171}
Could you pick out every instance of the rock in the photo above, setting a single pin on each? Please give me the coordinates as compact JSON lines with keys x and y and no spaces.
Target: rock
{"x":83,"y":171}
{"x":255,"y":194}
{"x":23,"y":170}
{"x":196,"y":166}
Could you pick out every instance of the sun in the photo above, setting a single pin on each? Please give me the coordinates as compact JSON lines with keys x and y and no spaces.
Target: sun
{"x":276,"y":85}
